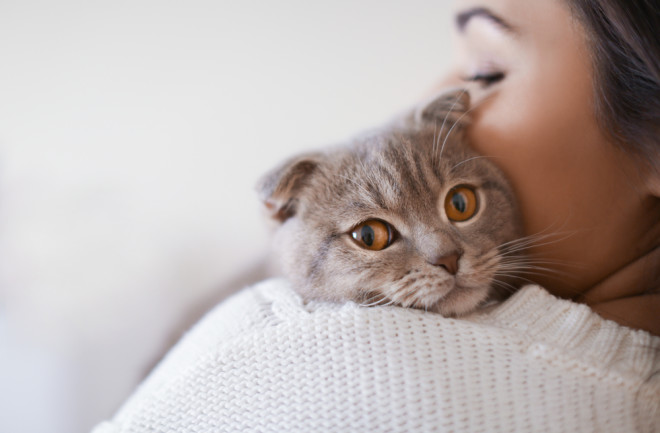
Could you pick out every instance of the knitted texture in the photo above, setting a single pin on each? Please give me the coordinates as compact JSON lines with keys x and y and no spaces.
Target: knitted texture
{"x":263,"y":361}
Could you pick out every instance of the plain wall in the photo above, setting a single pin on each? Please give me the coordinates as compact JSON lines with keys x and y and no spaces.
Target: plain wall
{"x":132,"y":134}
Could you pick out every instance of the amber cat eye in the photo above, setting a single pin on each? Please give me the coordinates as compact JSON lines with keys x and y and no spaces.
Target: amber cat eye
{"x":461,"y":204}
{"x":373,"y":235}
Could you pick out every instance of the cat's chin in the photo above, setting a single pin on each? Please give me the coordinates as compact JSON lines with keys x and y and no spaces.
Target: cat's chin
{"x":449,"y":297}
{"x":461,"y":301}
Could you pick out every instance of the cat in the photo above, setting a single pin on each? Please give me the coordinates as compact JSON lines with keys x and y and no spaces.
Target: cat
{"x":407,"y":215}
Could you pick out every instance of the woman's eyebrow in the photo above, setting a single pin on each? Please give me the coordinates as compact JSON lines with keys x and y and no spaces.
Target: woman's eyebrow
{"x":462,"y":19}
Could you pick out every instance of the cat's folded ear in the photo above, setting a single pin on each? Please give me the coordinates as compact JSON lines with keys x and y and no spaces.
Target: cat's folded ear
{"x":449,"y":108}
{"x":279,"y":190}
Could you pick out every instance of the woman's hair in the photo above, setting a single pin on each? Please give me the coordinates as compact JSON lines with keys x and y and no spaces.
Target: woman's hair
{"x":624,"y":37}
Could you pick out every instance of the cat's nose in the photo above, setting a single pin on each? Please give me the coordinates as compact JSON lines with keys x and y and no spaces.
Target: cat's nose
{"x":449,"y":262}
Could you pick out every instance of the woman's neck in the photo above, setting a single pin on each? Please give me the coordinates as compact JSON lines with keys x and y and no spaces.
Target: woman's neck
{"x":631,"y":295}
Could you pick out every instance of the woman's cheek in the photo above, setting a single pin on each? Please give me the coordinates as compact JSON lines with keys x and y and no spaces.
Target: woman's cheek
{"x":533,"y":152}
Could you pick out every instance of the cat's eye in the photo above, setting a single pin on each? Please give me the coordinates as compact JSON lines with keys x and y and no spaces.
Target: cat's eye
{"x":373,"y":234}
{"x":461,"y":203}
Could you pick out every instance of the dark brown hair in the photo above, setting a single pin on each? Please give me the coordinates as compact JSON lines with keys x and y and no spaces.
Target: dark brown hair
{"x":625,"y":44}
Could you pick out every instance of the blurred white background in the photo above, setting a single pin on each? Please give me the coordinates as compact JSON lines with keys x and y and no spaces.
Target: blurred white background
{"x":131,"y":136}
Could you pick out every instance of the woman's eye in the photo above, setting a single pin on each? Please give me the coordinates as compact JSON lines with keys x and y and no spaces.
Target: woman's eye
{"x":461,"y":204}
{"x":373,"y":235}
{"x":486,"y":79}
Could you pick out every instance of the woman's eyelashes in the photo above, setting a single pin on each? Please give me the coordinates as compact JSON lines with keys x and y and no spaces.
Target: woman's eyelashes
{"x":486,"y":78}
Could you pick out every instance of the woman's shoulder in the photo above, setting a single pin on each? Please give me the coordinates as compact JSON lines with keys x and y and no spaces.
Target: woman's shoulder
{"x":265,"y":358}
{"x":531,"y":317}
{"x":572,"y":331}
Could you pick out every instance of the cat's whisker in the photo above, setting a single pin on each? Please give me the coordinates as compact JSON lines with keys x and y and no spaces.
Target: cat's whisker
{"x":531,"y":261}
{"x":471,"y":159}
{"x":435,"y":141}
{"x":511,"y":275}
{"x":535,"y":242}
{"x":549,"y":232}
{"x":529,"y":245}
{"x":530,"y":258}
{"x":442,"y":127}
{"x":518,"y":274}
{"x":451,"y":109}
{"x":391,"y":302}
{"x":504,"y":285}
{"x":457,"y":121}
{"x":524,"y":261}
{"x":375,"y":303}
{"x":534,"y":270}
{"x":528,"y":240}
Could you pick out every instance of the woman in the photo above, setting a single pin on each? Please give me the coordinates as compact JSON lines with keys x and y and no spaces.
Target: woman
{"x":571,"y":112}
{"x":567,"y":102}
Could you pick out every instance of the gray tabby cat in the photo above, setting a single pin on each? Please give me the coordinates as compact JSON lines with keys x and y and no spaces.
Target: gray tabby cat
{"x":407,"y":215}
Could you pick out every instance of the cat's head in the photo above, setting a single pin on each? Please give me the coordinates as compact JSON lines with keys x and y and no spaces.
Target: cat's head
{"x":407,"y":215}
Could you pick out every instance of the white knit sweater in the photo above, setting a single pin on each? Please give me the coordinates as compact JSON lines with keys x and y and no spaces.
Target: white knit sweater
{"x":263,"y":361}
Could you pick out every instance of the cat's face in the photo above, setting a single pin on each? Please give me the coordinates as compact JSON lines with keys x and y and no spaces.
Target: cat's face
{"x":406,"y":216}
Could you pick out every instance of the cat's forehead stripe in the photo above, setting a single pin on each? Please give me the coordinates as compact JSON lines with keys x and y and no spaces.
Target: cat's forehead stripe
{"x":377,"y":195}
{"x":409,"y":166}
